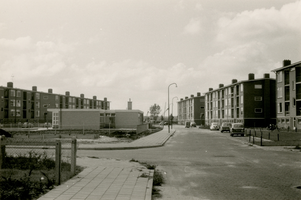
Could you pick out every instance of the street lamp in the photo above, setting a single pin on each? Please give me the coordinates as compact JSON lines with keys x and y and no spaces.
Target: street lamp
{"x":168,"y":107}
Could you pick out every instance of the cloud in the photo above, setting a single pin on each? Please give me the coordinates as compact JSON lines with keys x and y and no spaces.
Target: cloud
{"x":261,"y":25}
{"x":193,"y":27}
{"x":19,"y":43}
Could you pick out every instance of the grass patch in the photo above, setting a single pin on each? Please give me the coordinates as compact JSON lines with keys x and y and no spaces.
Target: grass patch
{"x":29,"y":176}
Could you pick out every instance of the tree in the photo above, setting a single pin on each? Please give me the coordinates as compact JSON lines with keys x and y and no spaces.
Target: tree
{"x":154,"y":111}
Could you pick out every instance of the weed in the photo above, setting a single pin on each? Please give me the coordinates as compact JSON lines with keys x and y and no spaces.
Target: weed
{"x":158,"y":178}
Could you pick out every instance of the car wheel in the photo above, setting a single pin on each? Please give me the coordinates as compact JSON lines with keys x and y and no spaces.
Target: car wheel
{"x":231,"y":135}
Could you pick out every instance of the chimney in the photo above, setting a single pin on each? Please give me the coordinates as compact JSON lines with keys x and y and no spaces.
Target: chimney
{"x":34,"y":88}
{"x":67,"y":93}
{"x":234,"y":81}
{"x":10,"y":85}
{"x":94,"y":97}
{"x":192,"y":96}
{"x":266,"y":75}
{"x":198,"y":94}
{"x":82,"y":96}
{"x":50,"y":91}
{"x":181,"y":99}
{"x":251,"y":77}
{"x":286,"y":63}
{"x":220,"y":86}
{"x":186,"y":97}
{"x":210,"y":89}
{"x":130,"y":105}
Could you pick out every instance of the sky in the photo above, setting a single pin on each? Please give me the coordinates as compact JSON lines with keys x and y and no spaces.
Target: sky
{"x":133,"y":49}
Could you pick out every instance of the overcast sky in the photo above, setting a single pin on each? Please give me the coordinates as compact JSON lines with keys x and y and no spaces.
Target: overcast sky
{"x":133,"y":49}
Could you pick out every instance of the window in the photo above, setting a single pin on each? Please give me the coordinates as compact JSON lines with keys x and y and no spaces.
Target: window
{"x":45,"y":97}
{"x":279,"y":107}
{"x":37,"y":104}
{"x":293,"y":85}
{"x":18,"y":113}
{"x":45,"y":105}
{"x":12,"y":103}
{"x":258,"y":110}
{"x":18,"y":103}
{"x":13,"y":112}
{"x":37,"y":113}
{"x":279,"y":92}
{"x":18,"y":93}
{"x":37,"y":96}
{"x":12,"y":93}
{"x":241,"y":99}
{"x":258,"y":98}
{"x":241,"y":87}
{"x":279,"y":76}
{"x":56,"y":97}
{"x":257,"y":86}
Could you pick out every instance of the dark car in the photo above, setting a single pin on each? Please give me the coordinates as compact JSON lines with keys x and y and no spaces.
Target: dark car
{"x":237,"y":129}
{"x":225,"y":127}
{"x":5,"y":133}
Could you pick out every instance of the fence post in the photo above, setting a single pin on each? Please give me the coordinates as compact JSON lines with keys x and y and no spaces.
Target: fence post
{"x":261,"y":140}
{"x":73,"y":156}
{"x":2,"y":150}
{"x":253,"y":139}
{"x":58,"y":150}
{"x":278,"y":136}
{"x":269,"y":135}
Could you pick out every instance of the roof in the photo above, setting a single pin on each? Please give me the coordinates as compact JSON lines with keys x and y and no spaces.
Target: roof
{"x":288,"y":66}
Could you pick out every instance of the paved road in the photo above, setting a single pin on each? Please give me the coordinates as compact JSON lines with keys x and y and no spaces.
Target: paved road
{"x":202,"y":164}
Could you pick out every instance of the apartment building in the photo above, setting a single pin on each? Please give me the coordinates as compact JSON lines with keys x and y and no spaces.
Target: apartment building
{"x":21,"y":105}
{"x":289,"y":95}
{"x":251,"y":102}
{"x":192,"y":109}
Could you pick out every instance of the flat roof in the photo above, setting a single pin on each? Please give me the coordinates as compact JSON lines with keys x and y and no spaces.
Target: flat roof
{"x":285,"y":67}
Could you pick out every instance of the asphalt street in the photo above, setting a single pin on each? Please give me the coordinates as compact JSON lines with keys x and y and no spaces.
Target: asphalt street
{"x":203,"y":164}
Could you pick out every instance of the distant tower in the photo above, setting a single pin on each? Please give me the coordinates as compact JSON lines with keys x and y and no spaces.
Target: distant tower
{"x":129,"y":105}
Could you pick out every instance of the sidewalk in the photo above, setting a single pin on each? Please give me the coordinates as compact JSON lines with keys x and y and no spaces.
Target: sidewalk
{"x":111,"y":180}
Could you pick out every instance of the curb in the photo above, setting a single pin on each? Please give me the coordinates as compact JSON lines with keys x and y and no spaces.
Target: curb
{"x":129,"y":147}
{"x":100,"y":148}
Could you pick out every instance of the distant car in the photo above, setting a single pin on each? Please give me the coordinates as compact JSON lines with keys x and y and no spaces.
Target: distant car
{"x":214,"y":126}
{"x":27,"y":125}
{"x":5,"y":133}
{"x":187,"y":124}
{"x":47,"y":124}
{"x":237,"y":129}
{"x":225,"y":127}
{"x":192,"y":124}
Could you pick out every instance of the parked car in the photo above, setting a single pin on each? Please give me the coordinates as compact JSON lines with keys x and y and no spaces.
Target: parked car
{"x":226,"y":126}
{"x":192,"y":124}
{"x":187,"y":124}
{"x":27,"y":125}
{"x":47,"y":124}
{"x":237,"y":129}
{"x":5,"y":133}
{"x":214,"y":126}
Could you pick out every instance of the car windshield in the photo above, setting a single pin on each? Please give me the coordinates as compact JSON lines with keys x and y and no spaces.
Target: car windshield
{"x":238,"y":126}
{"x":226,"y":124}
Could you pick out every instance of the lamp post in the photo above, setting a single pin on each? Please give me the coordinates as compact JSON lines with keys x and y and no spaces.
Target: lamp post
{"x":168,"y":106}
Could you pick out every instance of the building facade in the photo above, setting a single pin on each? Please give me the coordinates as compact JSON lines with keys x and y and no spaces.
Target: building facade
{"x":251,"y":102}
{"x":21,"y":105}
{"x":95,"y":118}
{"x":192,"y":110}
{"x":289,"y":95}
